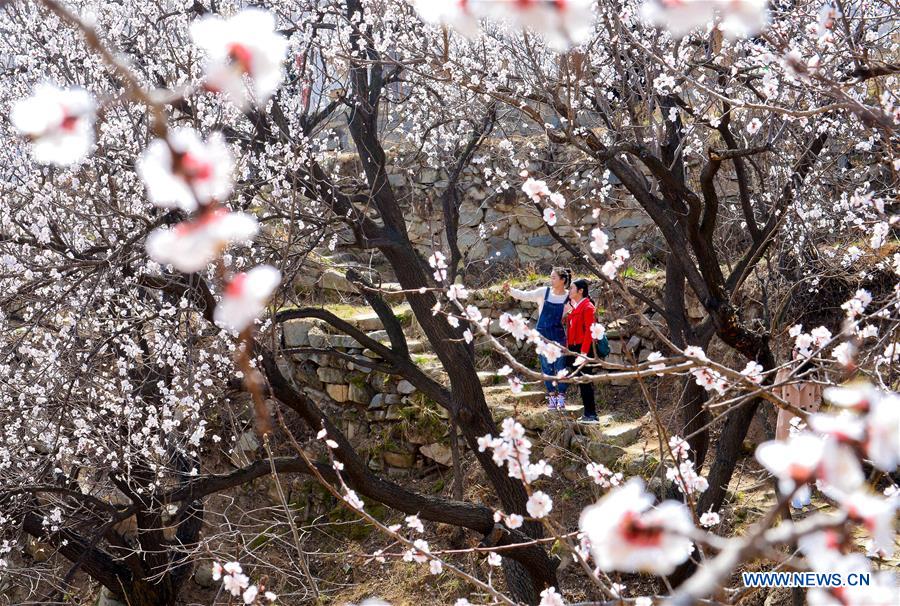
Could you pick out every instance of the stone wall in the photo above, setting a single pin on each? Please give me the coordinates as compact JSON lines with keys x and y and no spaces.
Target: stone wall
{"x":497,"y":223}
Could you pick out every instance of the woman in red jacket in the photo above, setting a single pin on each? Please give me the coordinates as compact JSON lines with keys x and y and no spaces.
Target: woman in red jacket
{"x":578,"y":337}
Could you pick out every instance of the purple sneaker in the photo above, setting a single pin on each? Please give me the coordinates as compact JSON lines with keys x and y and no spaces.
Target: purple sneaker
{"x":551,"y":401}
{"x":561,"y":402}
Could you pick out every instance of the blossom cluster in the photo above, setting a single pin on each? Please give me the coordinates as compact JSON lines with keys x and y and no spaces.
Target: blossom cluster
{"x":235,"y":582}
{"x":684,"y":473}
{"x":180,"y":170}
{"x":563,"y":24}
{"x":829,"y":456}
{"x":735,"y":18}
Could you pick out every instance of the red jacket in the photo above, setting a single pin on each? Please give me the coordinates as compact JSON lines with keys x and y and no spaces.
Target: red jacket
{"x":579,"y":323}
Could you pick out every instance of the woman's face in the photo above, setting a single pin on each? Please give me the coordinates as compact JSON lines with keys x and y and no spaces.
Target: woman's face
{"x":574,"y":293}
{"x":556,"y":280}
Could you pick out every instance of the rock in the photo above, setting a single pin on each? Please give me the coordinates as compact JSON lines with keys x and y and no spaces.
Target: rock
{"x":378,"y":380}
{"x":622,"y":434}
{"x":296,"y":332}
{"x":428,"y":175}
{"x":338,"y":392}
{"x":544,"y":241}
{"x":516,"y":234}
{"x":637,"y":461}
{"x":477,"y":251}
{"x":467,"y":238}
{"x":377,"y":401}
{"x":355,"y":429}
{"x":367,"y":321}
{"x":530,"y":254}
{"x":393,"y":413}
{"x":316,"y":338}
{"x":501,"y":249}
{"x":530,"y":220}
{"x":38,"y":550}
{"x":438,"y":453}
{"x":304,"y":372}
{"x":203,"y":575}
{"x":405,"y":387}
{"x":106,"y":598}
{"x":402,"y":460}
{"x":573,"y":473}
{"x":598,"y":452}
{"x":633,"y":343}
{"x":334,"y":280}
{"x":330,"y":375}
{"x":360,"y":393}
{"x":245,"y":448}
{"x":470,"y":217}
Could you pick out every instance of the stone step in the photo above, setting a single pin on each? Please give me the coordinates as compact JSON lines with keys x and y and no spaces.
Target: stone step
{"x":535,"y":418}
{"x":489,"y":378}
{"x":503,"y":393}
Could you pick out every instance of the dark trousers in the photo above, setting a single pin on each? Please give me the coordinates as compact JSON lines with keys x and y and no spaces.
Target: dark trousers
{"x":586,"y":389}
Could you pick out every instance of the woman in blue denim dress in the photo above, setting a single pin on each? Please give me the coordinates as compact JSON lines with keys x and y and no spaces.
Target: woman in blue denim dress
{"x":550,"y":300}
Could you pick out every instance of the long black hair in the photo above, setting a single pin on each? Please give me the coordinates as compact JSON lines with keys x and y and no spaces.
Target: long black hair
{"x":585,"y":287}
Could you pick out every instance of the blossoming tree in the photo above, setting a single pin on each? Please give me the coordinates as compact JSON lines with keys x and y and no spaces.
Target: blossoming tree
{"x":165,"y":177}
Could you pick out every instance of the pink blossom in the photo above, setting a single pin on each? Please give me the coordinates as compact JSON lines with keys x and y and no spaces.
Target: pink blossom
{"x":625,"y":534}
{"x":844,"y":353}
{"x":794,"y":462}
{"x":598,"y":331}
{"x":436,"y":566}
{"x":710,"y":519}
{"x":820,"y":336}
{"x":549,"y":597}
{"x":539,"y":504}
{"x":514,"y":520}
{"x":692,"y":351}
{"x":419,"y":552}
{"x":883,"y":432}
{"x":603,"y":476}
{"x":839,"y":471}
{"x":59,"y":123}
{"x":753,"y":371}
{"x":250,"y":594}
{"x":753,"y":126}
{"x":186,"y":172}
{"x":653,"y":357}
{"x":494,"y":559}
{"x":353,"y":499}
{"x":216,"y":571}
{"x":844,"y":427}
{"x":551,"y":351}
{"x":599,"y":242}
{"x":244,"y":45}
{"x":857,"y":397}
{"x":877,"y":517}
{"x":245,"y":297}
{"x":235,"y":583}
{"x":415,"y":523}
{"x":192,"y":245}
{"x":535,"y":189}
{"x":550,"y":217}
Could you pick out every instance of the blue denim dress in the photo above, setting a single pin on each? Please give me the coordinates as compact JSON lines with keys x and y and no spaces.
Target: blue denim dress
{"x":551,"y":328}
